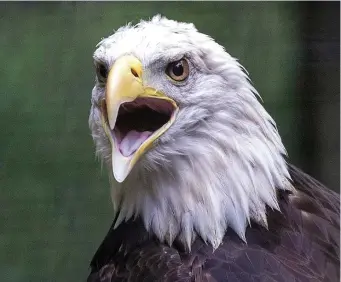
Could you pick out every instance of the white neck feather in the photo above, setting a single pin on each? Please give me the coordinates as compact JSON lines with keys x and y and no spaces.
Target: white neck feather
{"x":222,"y":176}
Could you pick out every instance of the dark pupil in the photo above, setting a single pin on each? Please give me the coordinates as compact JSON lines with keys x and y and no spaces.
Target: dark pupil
{"x":178,"y":69}
{"x":103,"y":71}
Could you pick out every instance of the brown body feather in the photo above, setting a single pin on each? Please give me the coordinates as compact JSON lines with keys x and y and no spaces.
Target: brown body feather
{"x":301,"y":244}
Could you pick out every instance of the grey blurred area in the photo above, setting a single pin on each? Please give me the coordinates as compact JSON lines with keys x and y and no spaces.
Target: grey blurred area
{"x":55,"y":203}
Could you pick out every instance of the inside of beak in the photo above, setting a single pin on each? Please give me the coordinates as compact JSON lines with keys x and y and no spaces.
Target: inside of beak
{"x":138,"y":120}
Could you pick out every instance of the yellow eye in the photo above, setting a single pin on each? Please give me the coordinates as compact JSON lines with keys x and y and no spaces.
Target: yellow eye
{"x":178,"y":70}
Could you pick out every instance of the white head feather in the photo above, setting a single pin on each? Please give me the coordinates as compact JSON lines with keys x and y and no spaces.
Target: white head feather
{"x":219,"y":164}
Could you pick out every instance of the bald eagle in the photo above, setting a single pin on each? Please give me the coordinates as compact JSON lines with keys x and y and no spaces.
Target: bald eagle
{"x":200,"y":183}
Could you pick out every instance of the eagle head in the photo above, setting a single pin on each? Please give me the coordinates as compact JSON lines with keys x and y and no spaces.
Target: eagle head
{"x":189,"y":147}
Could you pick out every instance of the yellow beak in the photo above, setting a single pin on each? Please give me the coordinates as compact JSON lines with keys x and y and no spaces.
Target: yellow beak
{"x":124,"y":84}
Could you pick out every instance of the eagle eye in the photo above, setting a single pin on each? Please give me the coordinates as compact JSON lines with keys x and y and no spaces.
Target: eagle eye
{"x":102,"y":72}
{"x":178,"y":70}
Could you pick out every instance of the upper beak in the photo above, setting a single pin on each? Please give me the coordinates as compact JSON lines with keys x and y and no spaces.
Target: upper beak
{"x":125,"y":84}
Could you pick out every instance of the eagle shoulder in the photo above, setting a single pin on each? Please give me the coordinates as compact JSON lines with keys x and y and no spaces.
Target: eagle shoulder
{"x":301,"y":243}
{"x":128,"y":253}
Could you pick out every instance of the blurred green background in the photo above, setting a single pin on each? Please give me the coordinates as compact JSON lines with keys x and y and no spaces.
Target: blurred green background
{"x":55,"y":204}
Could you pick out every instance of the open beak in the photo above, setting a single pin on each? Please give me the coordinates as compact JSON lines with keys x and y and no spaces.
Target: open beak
{"x":133,"y":115}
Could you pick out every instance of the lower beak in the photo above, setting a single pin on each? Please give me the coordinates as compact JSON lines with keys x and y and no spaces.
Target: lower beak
{"x":124,"y":84}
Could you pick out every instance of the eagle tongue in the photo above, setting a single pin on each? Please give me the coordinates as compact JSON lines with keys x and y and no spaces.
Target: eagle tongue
{"x":132,"y":141}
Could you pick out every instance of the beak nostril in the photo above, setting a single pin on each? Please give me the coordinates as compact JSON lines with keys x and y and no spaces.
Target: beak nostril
{"x":134,"y":72}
